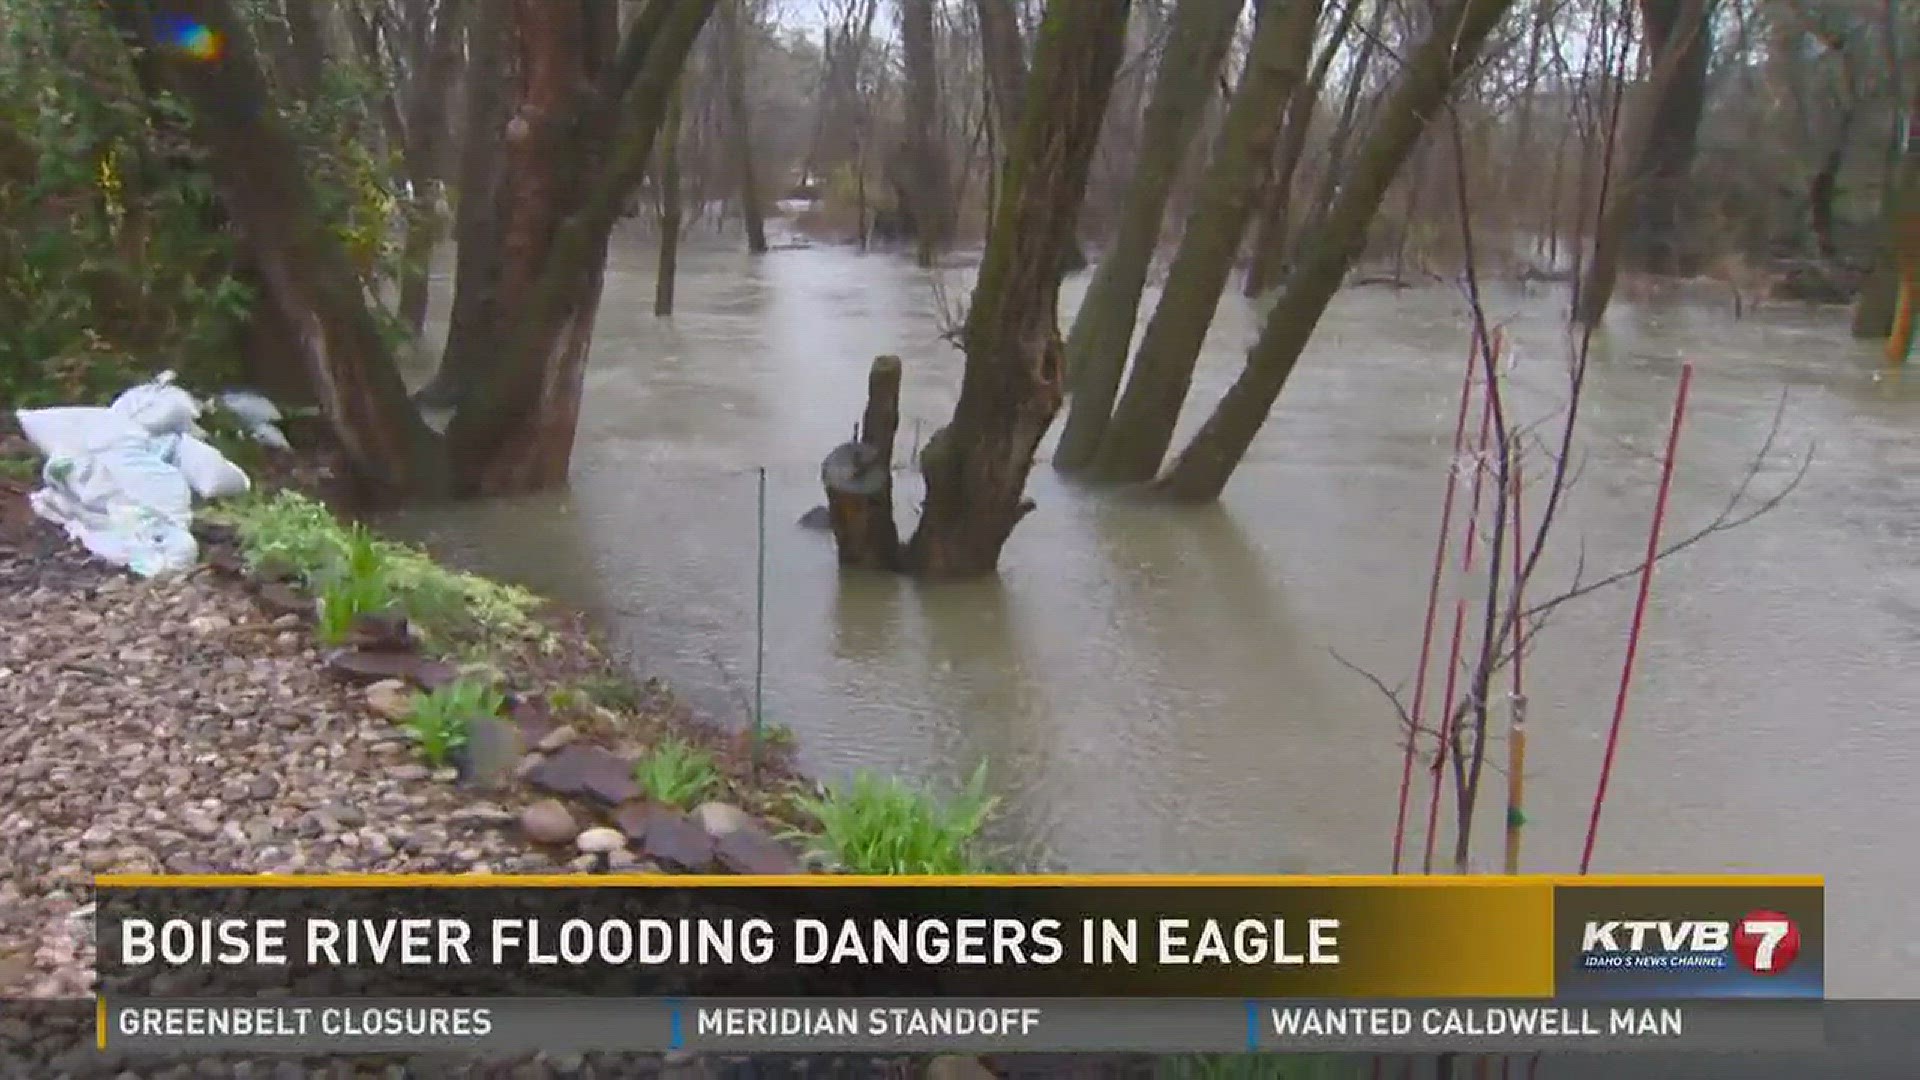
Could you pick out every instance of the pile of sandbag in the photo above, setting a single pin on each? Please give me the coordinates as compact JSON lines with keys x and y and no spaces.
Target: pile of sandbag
{"x":122,"y":480}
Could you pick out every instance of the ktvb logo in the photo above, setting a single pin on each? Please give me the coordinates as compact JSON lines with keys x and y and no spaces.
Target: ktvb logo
{"x":1762,"y":943}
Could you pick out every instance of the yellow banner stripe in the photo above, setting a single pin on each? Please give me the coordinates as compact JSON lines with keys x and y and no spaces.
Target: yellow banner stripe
{"x":674,"y":881}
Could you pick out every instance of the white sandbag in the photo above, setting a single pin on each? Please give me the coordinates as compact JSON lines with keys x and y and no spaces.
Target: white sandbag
{"x":139,"y":476}
{"x":122,"y":480}
{"x":250,"y":407}
{"x":145,"y":543}
{"x":259,"y":416}
{"x":74,"y":431}
{"x":208,"y":472}
{"x":158,"y":406}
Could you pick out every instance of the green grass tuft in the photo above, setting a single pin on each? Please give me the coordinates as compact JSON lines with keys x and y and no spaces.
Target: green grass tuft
{"x":880,"y":825}
{"x":676,"y":773}
{"x":611,"y":692}
{"x":453,"y":613}
{"x":442,"y":720}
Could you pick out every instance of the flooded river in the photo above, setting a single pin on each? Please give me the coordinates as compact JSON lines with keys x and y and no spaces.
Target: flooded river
{"x":1155,"y":689}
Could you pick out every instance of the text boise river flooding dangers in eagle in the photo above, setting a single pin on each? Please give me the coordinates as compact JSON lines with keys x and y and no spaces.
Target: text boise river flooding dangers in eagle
{"x":984,"y":941}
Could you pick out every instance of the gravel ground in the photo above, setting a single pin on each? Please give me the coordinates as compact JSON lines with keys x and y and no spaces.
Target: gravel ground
{"x":173,"y":727}
{"x":176,"y":726}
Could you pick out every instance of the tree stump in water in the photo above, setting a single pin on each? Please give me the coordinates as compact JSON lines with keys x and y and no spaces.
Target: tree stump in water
{"x":858,"y":476}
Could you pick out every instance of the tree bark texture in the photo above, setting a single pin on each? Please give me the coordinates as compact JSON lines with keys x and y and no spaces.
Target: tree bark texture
{"x":1430,"y":73}
{"x":1137,"y":437}
{"x":740,"y":120}
{"x":1004,"y":53}
{"x":1096,"y":351}
{"x":976,"y":474}
{"x":1644,"y":185}
{"x":1678,"y":33}
{"x":669,"y":177}
{"x":1269,"y":250}
{"x":858,"y":477}
{"x":304,"y":272}
{"x":928,"y":199}
{"x":477,"y":253}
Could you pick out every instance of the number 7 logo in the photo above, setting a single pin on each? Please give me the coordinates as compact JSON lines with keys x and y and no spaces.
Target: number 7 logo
{"x":1766,"y":942}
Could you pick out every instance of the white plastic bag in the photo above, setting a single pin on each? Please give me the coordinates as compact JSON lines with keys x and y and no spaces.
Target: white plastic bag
{"x":208,"y":472}
{"x":159,"y":406}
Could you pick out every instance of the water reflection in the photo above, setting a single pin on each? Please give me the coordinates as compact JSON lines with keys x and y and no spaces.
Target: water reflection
{"x":1153,"y":686}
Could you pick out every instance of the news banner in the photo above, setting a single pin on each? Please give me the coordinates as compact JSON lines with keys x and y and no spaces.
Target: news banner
{"x":488,"y":965}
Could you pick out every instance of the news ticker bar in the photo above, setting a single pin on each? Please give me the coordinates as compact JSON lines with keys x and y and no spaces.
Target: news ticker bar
{"x":659,"y":936}
{"x":174,"y":1026}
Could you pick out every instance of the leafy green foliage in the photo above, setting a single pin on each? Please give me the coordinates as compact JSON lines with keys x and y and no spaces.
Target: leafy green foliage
{"x":611,"y":693}
{"x":452,"y":612}
{"x":882,"y":826}
{"x":116,"y":260}
{"x":358,"y":586}
{"x":442,"y":720}
{"x":676,"y":773}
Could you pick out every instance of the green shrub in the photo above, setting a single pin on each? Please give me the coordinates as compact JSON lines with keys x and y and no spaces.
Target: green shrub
{"x":881,"y":825}
{"x":452,"y":612}
{"x":676,"y":773}
{"x":442,"y":720}
{"x":611,"y":692}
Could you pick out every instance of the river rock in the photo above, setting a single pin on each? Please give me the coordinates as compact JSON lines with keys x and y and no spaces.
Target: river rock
{"x":381,"y":632}
{"x":599,"y":840}
{"x":558,"y":739}
{"x":586,"y":770}
{"x":278,"y":598}
{"x":666,"y":836}
{"x":721,"y":819}
{"x":549,"y":822}
{"x":491,"y":753}
{"x":749,"y":850}
{"x":362,"y":666}
{"x":390,"y":698}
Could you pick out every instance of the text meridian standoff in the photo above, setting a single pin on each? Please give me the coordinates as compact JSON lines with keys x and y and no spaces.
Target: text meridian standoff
{"x":972,"y":942}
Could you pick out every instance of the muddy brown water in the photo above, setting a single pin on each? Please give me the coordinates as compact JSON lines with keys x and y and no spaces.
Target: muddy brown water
{"x":1155,"y":689}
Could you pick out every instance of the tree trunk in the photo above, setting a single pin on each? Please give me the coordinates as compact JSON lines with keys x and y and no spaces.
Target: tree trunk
{"x":669,"y":175}
{"x":562,"y":194}
{"x":303,"y":270}
{"x":1137,"y":437}
{"x":858,"y":476}
{"x":1343,"y":128}
{"x":929,"y":199}
{"x":1197,"y":44}
{"x":1270,"y":237}
{"x":740,"y":118}
{"x":306,"y":52}
{"x":1004,"y":52}
{"x":976,"y":468}
{"x":426,"y":135}
{"x":1874,"y":313}
{"x":1201,"y":471}
{"x":478,"y":253}
{"x":1680,"y":33}
{"x":1619,"y":237}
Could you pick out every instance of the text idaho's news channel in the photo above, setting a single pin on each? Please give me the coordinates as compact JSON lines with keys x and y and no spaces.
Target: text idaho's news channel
{"x":1158,"y":965}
